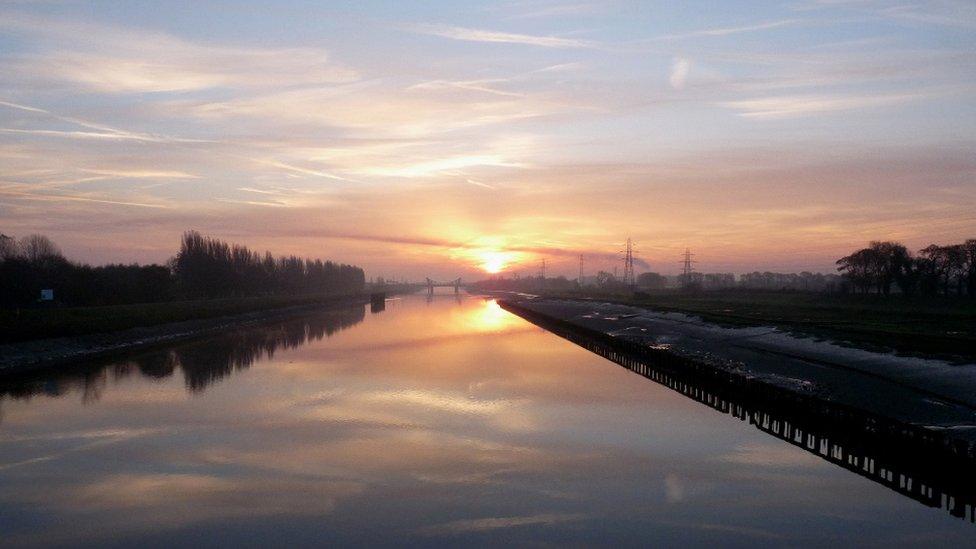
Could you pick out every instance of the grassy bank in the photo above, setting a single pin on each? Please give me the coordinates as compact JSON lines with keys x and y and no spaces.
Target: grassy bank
{"x":29,"y":324}
{"x":921,"y":326}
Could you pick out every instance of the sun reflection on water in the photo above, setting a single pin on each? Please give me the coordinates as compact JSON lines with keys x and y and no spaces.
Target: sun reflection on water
{"x":491,"y":317}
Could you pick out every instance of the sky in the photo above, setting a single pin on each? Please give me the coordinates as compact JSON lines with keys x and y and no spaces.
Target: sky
{"x":452,"y":138}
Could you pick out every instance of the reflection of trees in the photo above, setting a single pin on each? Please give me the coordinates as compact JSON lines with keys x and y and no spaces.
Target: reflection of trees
{"x":202,"y":362}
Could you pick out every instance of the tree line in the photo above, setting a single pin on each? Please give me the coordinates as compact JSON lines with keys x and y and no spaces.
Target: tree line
{"x":203,"y":268}
{"x":208,"y":267}
{"x":933,"y":270}
{"x":881,"y":268}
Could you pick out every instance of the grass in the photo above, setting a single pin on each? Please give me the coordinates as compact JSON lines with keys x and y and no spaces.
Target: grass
{"x":929,"y":326}
{"x":29,"y":324}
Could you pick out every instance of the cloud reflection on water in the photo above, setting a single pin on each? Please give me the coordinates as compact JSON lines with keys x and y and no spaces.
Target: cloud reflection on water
{"x":498,"y":432}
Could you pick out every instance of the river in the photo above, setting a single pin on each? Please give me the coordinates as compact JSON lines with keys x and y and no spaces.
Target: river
{"x":436,"y":422}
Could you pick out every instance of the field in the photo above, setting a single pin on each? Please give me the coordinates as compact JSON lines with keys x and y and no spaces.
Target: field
{"x":28,"y":324}
{"x":930,"y":326}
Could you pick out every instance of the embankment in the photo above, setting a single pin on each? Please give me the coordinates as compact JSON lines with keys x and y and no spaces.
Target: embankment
{"x":920,"y":399}
{"x":928,"y":463}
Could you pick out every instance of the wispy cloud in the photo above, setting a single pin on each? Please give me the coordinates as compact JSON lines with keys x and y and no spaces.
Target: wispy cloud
{"x":75,"y":198}
{"x":102,"y":131}
{"x":554,"y":9}
{"x":562,"y":67}
{"x":496,"y":523}
{"x":500,"y":37}
{"x":949,"y":13}
{"x":468,"y":85}
{"x":141,"y":174}
{"x":477,"y":183}
{"x":796,"y":106}
{"x":725,"y":31}
{"x":449,"y":165}
{"x":117,"y":60}
{"x":679,"y":72}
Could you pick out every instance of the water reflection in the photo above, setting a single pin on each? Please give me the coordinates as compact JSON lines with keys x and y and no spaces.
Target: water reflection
{"x":202,"y":363}
{"x":440,"y":424}
{"x":910,"y":461}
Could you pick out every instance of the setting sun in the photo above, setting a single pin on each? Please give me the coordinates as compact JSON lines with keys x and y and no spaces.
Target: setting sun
{"x":494,"y":262}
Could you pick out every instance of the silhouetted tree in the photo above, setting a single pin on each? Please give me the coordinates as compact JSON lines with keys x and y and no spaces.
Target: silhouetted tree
{"x":653,"y":281}
{"x":8,"y":247}
{"x":945,"y":265}
{"x":37,"y":249}
{"x":203,"y":268}
{"x":969,"y":269}
{"x":936,"y":269}
{"x":207,"y":267}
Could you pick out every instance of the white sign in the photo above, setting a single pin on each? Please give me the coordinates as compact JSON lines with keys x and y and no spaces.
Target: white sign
{"x":47,"y":295}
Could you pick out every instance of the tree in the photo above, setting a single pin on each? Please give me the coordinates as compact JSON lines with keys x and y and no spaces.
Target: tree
{"x":605,"y":280}
{"x":206,"y":267}
{"x":38,"y":248}
{"x":653,"y":281}
{"x":887,"y":259}
{"x":945,"y":265}
{"x":879,"y":266}
{"x":969,"y":260}
{"x":857,"y":269}
{"x":8,"y":247}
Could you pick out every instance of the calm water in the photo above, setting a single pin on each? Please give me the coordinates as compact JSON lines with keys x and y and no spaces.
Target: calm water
{"x":432,"y":423}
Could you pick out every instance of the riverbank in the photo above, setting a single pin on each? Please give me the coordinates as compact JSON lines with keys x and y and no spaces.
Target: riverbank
{"x":936,"y":395}
{"x":47,"y":323}
{"x":95,"y":331}
{"x":932,"y":327}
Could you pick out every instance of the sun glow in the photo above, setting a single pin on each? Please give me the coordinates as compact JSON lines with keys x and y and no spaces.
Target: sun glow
{"x":492,"y":318}
{"x":494,"y":262}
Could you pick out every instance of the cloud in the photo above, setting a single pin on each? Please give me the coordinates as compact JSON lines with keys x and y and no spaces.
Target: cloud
{"x":117,"y":60}
{"x":562,"y":67}
{"x":496,"y":523}
{"x":949,"y":13}
{"x":679,"y":72}
{"x":725,"y":31}
{"x":383,"y":110}
{"x":101,"y":131}
{"x":141,"y":174}
{"x":443,"y":165}
{"x":479,"y":183}
{"x":74,"y":198}
{"x":481,"y":35}
{"x":469,"y":85}
{"x":797,"y":106}
{"x":551,"y":10}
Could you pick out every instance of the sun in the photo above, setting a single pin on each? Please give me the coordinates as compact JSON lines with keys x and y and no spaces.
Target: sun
{"x":493,"y":261}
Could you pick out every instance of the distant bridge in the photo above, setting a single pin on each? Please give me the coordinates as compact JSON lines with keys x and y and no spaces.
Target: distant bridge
{"x":456,"y":284}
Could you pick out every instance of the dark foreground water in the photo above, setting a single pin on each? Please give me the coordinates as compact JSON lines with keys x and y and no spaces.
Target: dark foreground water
{"x":441,"y":422}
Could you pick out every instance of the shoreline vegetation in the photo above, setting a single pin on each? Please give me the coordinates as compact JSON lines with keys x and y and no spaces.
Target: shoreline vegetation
{"x":34,"y":273}
{"x":53,"y":309}
{"x":45,"y":295}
